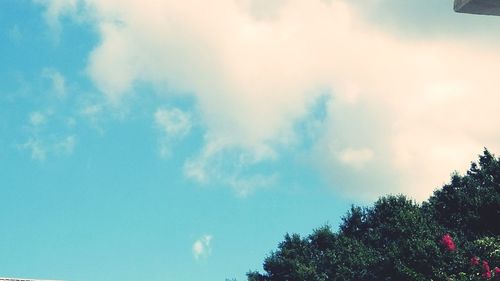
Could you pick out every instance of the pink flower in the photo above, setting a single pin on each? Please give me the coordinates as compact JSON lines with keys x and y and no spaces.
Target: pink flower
{"x":474,"y":260}
{"x":486,"y":270}
{"x":497,"y":273}
{"x":448,"y":243}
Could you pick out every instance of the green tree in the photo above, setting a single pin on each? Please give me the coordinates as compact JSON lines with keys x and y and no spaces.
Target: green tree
{"x":470,"y":204}
{"x":398,"y":239}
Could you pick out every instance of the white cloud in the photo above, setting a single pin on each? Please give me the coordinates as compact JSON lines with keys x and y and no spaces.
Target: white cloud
{"x":36,"y":148}
{"x":41,"y":147}
{"x":95,"y":113}
{"x":34,"y":144}
{"x":91,"y":112}
{"x":55,"y":9}
{"x":43,"y":141}
{"x":57,"y":80}
{"x":356,"y":158}
{"x":424,"y":107}
{"x":173,"y":124}
{"x":37,"y":119}
{"x":66,"y":145}
{"x":202,"y":247}
{"x":223,"y":161}
{"x":262,"y":9}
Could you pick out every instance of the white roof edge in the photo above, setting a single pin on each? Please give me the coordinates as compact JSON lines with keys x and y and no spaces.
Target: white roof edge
{"x":23,"y":279}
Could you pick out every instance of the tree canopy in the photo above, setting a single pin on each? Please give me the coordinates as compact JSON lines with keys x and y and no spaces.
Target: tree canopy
{"x":454,"y":235}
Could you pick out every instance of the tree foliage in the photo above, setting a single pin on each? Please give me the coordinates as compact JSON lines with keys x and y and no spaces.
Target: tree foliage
{"x":448,"y":237}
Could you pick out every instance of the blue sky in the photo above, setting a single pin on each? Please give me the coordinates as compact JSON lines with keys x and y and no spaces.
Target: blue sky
{"x":178,"y":140}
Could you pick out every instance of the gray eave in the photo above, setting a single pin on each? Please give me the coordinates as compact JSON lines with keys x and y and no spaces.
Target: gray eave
{"x":479,"y":7}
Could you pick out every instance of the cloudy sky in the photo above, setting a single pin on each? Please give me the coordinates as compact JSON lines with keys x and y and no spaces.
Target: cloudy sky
{"x":180,"y":140}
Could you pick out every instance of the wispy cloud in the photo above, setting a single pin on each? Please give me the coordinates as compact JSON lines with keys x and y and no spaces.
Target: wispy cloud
{"x":173,"y":124}
{"x":37,"y":119}
{"x":42,"y":142}
{"x":223,"y":161}
{"x":202,"y":247}
{"x":36,"y":148}
{"x":66,"y":145}
{"x":55,"y":10}
{"x":58,"y":82}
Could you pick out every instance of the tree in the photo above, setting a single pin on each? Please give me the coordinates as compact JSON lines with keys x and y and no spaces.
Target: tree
{"x":398,"y":239}
{"x":470,"y":204}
